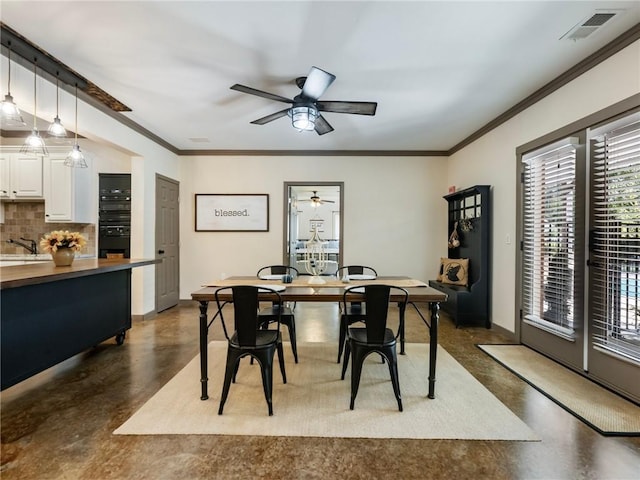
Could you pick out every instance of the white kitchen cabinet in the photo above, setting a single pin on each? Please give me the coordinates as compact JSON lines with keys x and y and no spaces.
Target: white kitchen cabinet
{"x":67,"y":192}
{"x":20,"y":176}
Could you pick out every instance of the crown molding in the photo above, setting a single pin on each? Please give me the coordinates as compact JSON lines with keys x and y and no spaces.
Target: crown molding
{"x":318,"y":153}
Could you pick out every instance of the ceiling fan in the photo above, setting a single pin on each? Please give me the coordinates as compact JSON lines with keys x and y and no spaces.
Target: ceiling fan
{"x":316,"y":200}
{"x":305,"y":108}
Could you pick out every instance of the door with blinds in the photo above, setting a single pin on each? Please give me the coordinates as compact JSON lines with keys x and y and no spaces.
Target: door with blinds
{"x":552,"y":251}
{"x":580,"y":267}
{"x":614,"y":256}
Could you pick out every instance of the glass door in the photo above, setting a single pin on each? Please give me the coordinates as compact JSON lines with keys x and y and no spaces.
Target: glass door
{"x":580,"y":253}
{"x":614,"y":256}
{"x":552,"y":319}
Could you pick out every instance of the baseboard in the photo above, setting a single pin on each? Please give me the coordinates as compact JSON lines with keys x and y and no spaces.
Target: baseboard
{"x":146,"y":316}
{"x":511,"y":335}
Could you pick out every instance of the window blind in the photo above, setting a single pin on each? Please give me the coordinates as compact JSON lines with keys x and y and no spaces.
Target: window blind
{"x":549,"y":237}
{"x":615,"y":241}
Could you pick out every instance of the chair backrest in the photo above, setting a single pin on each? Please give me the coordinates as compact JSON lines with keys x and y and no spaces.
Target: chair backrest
{"x":278,"y":270}
{"x":376,"y":299}
{"x":356,"y":270}
{"x":245,"y":311}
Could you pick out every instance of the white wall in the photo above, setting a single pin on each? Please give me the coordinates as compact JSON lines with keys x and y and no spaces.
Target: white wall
{"x":395,"y":217}
{"x":492,"y":159}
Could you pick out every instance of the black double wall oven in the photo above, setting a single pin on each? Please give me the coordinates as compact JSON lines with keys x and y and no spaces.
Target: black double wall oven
{"x":114,"y":229}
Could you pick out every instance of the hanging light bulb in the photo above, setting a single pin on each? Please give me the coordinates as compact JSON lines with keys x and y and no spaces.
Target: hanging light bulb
{"x":56,"y":129}
{"x":9,"y":111}
{"x":75,"y":158}
{"x":34,"y":142}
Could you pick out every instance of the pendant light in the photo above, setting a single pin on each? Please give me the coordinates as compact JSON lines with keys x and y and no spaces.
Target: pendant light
{"x":75,"y":158}
{"x":9,"y":111}
{"x":34,"y":142}
{"x":56,"y":129}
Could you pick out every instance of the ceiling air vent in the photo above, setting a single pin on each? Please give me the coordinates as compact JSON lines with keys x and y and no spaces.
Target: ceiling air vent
{"x":590,"y":25}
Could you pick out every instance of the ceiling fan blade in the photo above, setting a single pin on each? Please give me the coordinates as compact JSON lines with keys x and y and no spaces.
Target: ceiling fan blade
{"x":359,"y":108}
{"x":271,"y":118}
{"x":316,"y":83}
{"x":260,"y":93}
{"x":322,"y":126}
{"x":327,"y":201}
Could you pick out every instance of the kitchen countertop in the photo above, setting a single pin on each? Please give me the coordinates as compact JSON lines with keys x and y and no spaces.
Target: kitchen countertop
{"x":43,"y":272}
{"x":10,"y":259}
{"x":37,"y":257}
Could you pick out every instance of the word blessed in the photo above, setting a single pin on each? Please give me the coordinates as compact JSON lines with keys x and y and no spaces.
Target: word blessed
{"x":230,"y":213}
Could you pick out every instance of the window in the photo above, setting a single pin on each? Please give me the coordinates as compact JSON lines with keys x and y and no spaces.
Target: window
{"x":549,"y":238}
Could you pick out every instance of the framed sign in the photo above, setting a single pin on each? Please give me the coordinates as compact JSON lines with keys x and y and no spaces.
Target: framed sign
{"x":232,"y":213}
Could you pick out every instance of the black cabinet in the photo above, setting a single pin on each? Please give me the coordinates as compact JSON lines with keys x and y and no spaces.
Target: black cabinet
{"x":471,"y":210}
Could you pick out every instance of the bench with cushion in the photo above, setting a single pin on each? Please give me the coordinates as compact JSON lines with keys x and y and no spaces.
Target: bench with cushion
{"x":467,"y":305}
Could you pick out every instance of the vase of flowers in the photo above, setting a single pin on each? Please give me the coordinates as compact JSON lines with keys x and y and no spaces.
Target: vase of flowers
{"x":62,"y":245}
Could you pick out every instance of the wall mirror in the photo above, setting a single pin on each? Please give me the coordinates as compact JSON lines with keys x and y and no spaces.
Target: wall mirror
{"x":309,"y":207}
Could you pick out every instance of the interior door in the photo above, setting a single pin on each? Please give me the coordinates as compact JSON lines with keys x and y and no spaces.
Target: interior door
{"x":167,"y":243}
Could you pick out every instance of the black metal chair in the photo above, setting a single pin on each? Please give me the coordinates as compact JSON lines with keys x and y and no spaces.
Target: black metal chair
{"x":354,"y":311}
{"x":284,"y":312}
{"x":375,"y":336}
{"x":248,"y":339}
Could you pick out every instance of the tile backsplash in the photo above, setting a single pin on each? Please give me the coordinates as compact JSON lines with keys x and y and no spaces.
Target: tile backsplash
{"x":26,"y":219}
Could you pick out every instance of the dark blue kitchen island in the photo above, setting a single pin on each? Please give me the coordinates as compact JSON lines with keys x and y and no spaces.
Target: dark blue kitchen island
{"x":49,"y":313}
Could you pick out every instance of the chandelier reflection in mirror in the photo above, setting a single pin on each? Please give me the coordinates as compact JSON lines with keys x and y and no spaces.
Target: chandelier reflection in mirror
{"x":316,"y":258}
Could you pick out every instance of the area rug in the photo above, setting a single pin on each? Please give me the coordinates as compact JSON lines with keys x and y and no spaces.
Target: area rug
{"x":606,"y":412}
{"x":315,"y":402}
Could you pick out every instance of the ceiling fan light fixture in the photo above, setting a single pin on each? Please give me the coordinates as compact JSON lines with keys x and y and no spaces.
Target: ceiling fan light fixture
{"x":303,"y":118}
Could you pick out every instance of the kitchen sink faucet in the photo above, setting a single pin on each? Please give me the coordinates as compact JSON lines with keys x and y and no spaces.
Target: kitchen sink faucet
{"x":32,"y":248}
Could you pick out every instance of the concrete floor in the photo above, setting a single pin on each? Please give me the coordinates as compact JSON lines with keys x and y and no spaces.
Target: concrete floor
{"x":59,"y":424}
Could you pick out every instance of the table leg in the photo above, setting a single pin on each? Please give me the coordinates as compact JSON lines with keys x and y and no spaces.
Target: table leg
{"x":433,"y":347}
{"x":203,"y":350}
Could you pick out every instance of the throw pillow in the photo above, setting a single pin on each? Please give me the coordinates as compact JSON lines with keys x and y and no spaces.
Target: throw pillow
{"x":455,"y":271}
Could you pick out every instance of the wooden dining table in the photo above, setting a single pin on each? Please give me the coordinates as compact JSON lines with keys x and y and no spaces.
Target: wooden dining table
{"x":332,"y":290}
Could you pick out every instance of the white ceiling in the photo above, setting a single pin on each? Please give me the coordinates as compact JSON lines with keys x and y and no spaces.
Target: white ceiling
{"x":439,"y":70}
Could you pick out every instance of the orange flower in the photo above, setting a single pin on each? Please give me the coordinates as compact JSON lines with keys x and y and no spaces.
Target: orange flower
{"x":61,"y":239}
